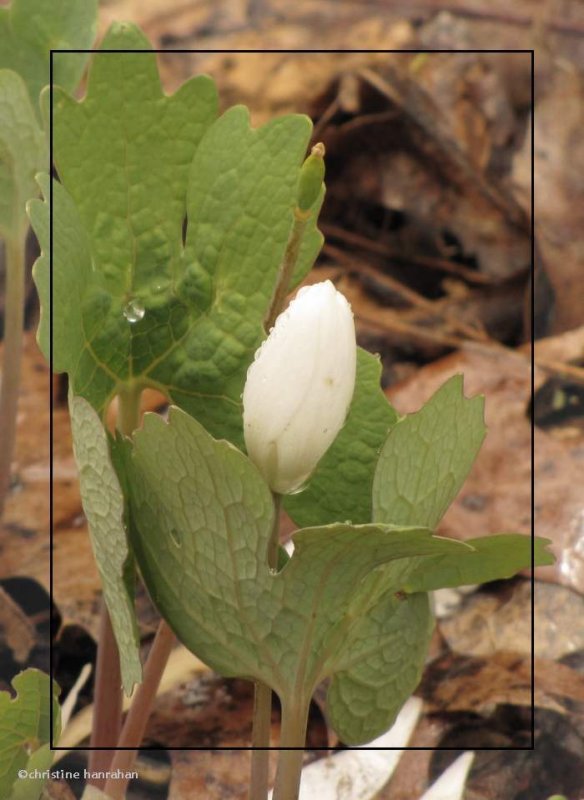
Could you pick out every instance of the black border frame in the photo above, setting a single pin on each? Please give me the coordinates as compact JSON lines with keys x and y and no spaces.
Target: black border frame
{"x":531,"y":747}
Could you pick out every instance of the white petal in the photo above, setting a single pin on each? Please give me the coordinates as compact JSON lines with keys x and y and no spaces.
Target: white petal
{"x":299,"y":387}
{"x":450,"y":785}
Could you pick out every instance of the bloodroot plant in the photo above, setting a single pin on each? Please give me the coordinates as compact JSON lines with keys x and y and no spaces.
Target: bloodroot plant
{"x":296,"y":420}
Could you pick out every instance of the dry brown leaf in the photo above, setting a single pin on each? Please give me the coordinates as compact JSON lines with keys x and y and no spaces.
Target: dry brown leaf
{"x":456,"y":683}
{"x":559,"y":164}
{"x":57,"y":790}
{"x":490,"y":621}
{"x":16,"y":629}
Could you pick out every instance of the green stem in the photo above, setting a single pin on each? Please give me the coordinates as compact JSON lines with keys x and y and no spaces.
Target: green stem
{"x":262,"y":712}
{"x":107,"y":701}
{"x":274,"y":542}
{"x":260,"y":740}
{"x":129,"y":409}
{"x":13,"y":327}
{"x":287,"y":267}
{"x":294,"y":722}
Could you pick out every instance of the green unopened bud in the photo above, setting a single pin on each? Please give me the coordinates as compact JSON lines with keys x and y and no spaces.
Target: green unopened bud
{"x":311,"y":178}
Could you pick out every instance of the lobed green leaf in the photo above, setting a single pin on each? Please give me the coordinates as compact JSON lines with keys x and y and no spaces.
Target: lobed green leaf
{"x":492,"y":558}
{"x":29,"y":29}
{"x":22,"y":153}
{"x":427,"y":456}
{"x":25,"y":730}
{"x":182,"y":318}
{"x":74,"y":285}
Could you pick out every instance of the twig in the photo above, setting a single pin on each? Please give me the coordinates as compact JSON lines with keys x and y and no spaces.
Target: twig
{"x":492,"y":15}
{"x":441,"y":265}
{"x":560,"y":368}
{"x":413,"y":297}
{"x":392,"y":322}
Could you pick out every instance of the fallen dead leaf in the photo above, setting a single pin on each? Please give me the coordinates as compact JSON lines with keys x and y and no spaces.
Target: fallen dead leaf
{"x":16,"y":629}
{"x":488,"y":621}
{"x":57,"y":790}
{"x":559,"y":116}
{"x":455,"y":683}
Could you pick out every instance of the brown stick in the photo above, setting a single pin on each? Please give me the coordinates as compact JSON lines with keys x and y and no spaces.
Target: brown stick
{"x":142,"y":703}
{"x":439,"y":264}
{"x":392,"y":323}
{"x":412,"y":297}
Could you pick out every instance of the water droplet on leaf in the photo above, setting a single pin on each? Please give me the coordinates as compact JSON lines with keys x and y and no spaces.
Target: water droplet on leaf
{"x":160,"y":287}
{"x":134,"y":311}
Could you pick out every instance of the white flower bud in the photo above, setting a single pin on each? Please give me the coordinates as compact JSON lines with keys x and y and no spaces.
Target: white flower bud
{"x":299,"y":387}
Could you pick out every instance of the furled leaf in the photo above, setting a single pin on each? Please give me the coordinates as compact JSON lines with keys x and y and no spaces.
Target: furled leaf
{"x":29,"y":29}
{"x":492,"y":558}
{"x":201,"y":543}
{"x":103,"y":503}
{"x":427,"y":456}
{"x":341,"y":486}
{"x":22,"y":153}
{"x":185,"y":319}
{"x":25,"y":726}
